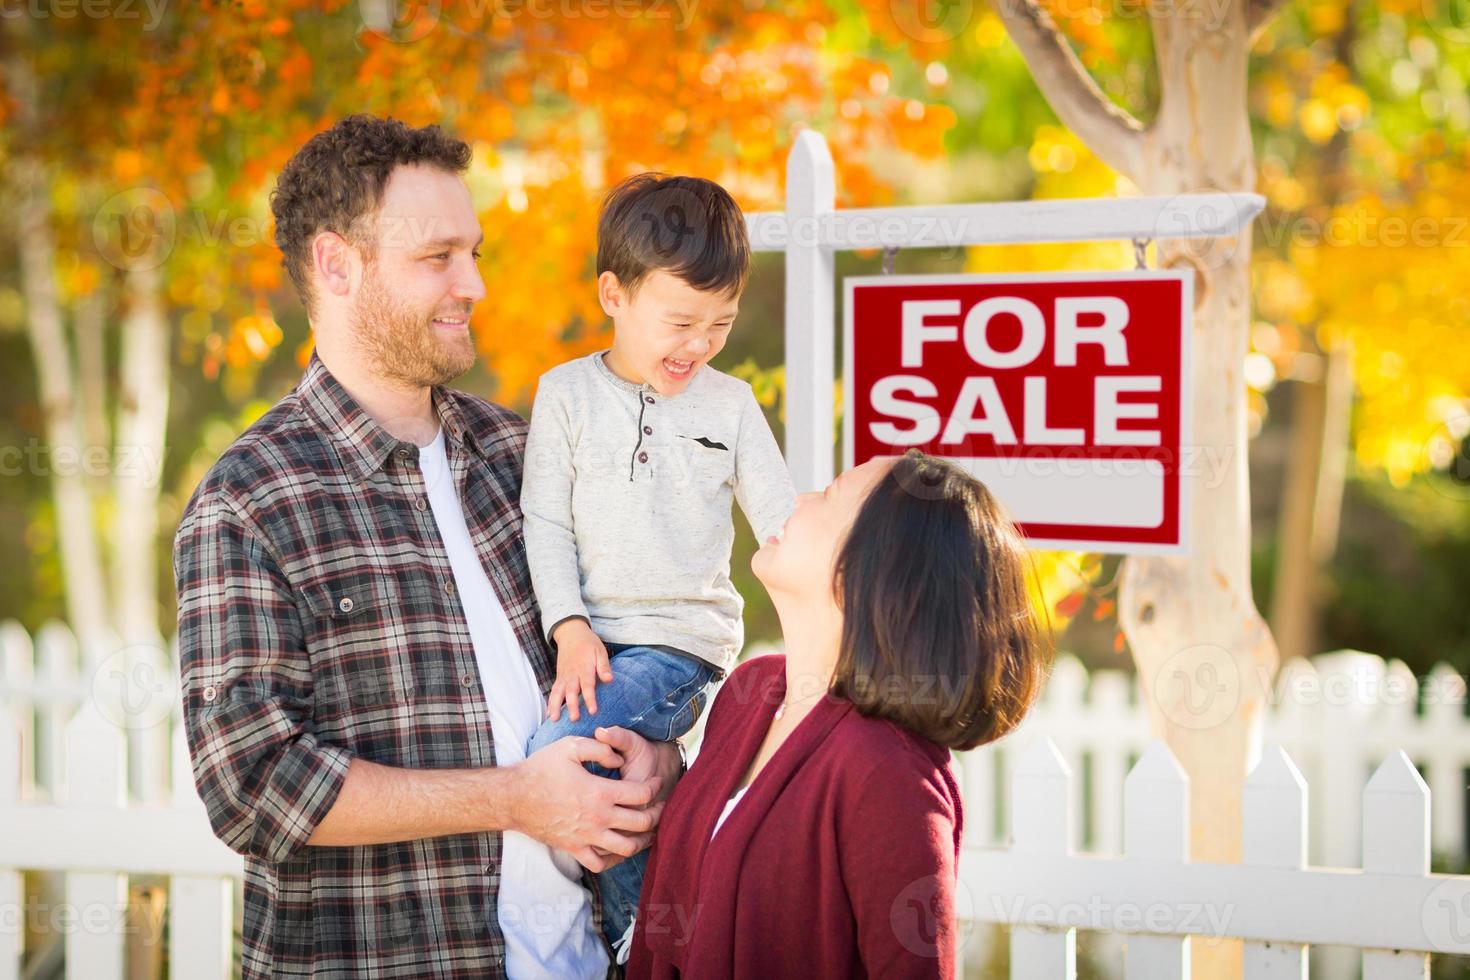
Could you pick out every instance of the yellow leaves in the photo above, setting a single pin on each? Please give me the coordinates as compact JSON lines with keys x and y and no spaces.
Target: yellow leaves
{"x":1326,"y":16}
{"x":1318,"y":121}
{"x":990,"y":31}
{"x":1065,"y":167}
{"x":1277,"y":101}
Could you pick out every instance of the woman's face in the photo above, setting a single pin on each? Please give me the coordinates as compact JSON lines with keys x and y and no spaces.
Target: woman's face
{"x":800,"y":559}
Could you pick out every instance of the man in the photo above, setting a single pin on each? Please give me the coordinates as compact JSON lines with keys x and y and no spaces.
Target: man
{"x":359,"y":642}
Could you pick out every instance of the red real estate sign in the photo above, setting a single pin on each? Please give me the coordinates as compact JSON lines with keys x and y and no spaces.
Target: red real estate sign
{"x":1066,"y":393}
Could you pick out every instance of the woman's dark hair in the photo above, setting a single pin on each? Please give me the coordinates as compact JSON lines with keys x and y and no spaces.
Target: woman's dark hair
{"x":688,"y":226}
{"x":338,"y":177}
{"x":939,"y":634}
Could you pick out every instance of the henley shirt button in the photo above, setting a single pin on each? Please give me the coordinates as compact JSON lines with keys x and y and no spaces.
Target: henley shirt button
{"x":648,"y":430}
{"x":345,"y":604}
{"x":642,"y":457}
{"x":210,"y":693}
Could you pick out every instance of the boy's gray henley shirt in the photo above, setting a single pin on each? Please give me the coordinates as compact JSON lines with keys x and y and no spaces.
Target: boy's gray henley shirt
{"x":626,"y":502}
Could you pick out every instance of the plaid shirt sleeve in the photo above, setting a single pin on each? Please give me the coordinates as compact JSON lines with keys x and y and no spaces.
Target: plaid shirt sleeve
{"x":265,"y":779}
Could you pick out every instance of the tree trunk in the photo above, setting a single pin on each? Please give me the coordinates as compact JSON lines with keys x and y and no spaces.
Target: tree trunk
{"x":81,"y":562}
{"x":1205,"y":656}
{"x":142,"y":415}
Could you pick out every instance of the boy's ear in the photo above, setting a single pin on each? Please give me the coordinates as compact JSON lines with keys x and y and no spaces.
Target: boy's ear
{"x":611,"y":295}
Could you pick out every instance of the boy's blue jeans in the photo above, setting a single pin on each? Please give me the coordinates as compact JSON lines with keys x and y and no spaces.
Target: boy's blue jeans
{"x":657,"y":693}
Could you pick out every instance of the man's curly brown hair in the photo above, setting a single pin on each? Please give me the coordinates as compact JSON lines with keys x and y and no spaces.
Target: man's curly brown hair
{"x":336,"y":180}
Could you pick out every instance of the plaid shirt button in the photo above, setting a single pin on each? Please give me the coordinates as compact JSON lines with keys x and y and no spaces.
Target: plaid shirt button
{"x":421,"y":504}
{"x":469,"y":680}
{"x":449,"y":587}
{"x":210,"y":693}
{"x":345,"y":604}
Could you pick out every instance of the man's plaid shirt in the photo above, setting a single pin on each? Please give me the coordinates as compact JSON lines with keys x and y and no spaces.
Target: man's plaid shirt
{"x":318,"y":621}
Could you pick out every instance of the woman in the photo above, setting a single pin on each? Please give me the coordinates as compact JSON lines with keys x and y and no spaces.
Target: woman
{"x":818,"y":833}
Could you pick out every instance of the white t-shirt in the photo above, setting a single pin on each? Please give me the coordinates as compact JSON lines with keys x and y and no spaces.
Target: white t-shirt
{"x":544,"y":912}
{"x":729,"y":805}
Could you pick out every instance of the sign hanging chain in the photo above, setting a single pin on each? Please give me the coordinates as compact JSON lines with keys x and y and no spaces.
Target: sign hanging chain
{"x":1140,"y":249}
{"x":890,"y":254}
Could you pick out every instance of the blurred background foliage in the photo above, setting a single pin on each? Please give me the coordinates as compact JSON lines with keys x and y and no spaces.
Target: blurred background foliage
{"x":1360,"y":114}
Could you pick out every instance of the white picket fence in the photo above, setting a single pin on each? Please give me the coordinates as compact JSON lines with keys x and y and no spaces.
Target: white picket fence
{"x":1060,"y":834}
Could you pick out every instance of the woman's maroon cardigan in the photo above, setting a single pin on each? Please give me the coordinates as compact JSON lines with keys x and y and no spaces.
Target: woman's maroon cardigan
{"x":839,"y":861}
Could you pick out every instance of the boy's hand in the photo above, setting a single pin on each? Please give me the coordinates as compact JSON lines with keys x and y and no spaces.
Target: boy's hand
{"x":581,"y":660}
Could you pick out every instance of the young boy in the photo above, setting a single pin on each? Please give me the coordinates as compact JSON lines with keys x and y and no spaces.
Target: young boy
{"x":632,"y":458}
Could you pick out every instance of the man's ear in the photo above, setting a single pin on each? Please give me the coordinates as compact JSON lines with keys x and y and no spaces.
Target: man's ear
{"x":335,"y":261}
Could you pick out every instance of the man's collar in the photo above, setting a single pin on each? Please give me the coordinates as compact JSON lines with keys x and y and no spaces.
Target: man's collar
{"x":362,"y":441}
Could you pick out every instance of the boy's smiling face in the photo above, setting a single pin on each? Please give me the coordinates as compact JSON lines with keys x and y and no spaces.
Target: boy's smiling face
{"x":666,"y":331}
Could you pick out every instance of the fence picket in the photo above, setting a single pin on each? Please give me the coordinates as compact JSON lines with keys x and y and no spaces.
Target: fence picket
{"x":1156,"y":828}
{"x":56,"y":661}
{"x":96,"y":902}
{"x":1274,"y":835}
{"x":1443,"y":727}
{"x":1041,"y":823}
{"x":1396,"y":841}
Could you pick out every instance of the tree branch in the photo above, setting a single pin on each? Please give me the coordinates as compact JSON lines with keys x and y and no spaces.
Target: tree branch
{"x":1108,"y":130}
{"x":1259,"y":14}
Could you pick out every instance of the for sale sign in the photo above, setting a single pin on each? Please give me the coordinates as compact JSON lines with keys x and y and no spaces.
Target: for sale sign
{"x":1066,"y":393}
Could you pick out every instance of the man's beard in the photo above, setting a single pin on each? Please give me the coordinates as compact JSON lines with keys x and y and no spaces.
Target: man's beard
{"x":401,"y":344}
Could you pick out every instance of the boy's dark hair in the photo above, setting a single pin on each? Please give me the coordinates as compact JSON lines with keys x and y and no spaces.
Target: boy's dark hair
{"x":687,"y":226}
{"x":938,"y":632}
{"x":337,"y":179}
